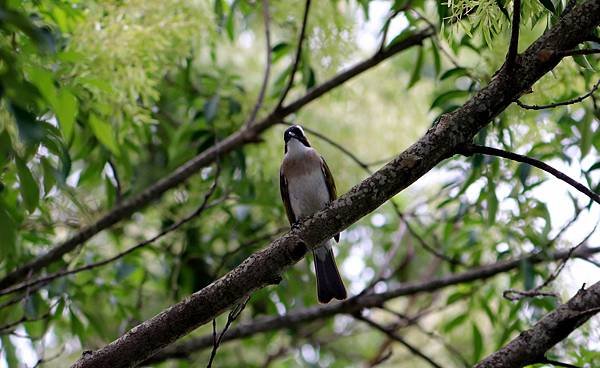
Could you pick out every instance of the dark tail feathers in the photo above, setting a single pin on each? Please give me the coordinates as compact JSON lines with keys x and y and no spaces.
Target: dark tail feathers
{"x":329,"y":282}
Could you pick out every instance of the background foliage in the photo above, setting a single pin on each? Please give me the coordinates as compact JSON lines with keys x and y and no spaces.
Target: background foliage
{"x":100,"y":99}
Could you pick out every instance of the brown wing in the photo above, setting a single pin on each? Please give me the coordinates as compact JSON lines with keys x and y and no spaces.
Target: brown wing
{"x":330,"y":187}
{"x":285,"y":197}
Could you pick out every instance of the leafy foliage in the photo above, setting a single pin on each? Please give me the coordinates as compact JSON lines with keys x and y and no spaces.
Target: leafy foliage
{"x":100,"y":99}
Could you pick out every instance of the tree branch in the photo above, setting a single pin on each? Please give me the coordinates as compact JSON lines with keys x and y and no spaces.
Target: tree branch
{"x":265,"y":82}
{"x":470,"y":149}
{"x":563,"y":103}
{"x":511,"y":56}
{"x":306,"y":315}
{"x":265,"y":267}
{"x":238,"y":139}
{"x":531,"y":346}
{"x":296,"y":59}
{"x":59,"y":274}
{"x":394,"y":336}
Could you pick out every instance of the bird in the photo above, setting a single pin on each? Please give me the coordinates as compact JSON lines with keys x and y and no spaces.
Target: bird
{"x":307,"y":186}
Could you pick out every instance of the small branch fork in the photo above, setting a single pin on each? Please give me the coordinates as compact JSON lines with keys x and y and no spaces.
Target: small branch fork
{"x":46,"y":279}
{"x":514,"y":295}
{"x":394,"y":336}
{"x":562,"y":103}
{"x":470,"y":149}
{"x":233,"y":315}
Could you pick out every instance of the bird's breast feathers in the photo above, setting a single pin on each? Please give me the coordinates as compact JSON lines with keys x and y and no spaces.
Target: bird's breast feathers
{"x":306,"y":185}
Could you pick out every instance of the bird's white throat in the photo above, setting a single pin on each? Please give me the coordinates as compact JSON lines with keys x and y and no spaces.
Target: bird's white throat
{"x":296,"y":148}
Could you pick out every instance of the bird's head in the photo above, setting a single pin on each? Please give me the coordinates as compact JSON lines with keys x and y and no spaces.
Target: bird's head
{"x":295,"y":132}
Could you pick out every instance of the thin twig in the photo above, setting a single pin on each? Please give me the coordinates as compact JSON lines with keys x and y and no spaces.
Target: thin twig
{"x":49,"y":359}
{"x":386,"y":25}
{"x":391,"y":334}
{"x":297,"y":58}
{"x":5,"y":328}
{"x":46,"y":279}
{"x":576,"y":52}
{"x":511,"y":56}
{"x":557,"y":363}
{"x":470,"y":149}
{"x":265,"y":82}
{"x":562,"y":103}
{"x":235,"y":312}
{"x":514,"y":295}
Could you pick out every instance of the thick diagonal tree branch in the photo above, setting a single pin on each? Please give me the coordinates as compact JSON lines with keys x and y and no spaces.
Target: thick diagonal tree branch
{"x":353,"y":305}
{"x":439,"y":142}
{"x":246,"y":135}
{"x":531,"y":346}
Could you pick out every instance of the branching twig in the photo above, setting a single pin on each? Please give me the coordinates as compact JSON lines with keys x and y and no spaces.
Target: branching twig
{"x":7,"y":327}
{"x":391,"y":334}
{"x":296,"y":59}
{"x":511,"y":56}
{"x":232,"y":316}
{"x":304,"y":316}
{"x":265,"y":82}
{"x":387,"y":22}
{"x":557,"y":363}
{"x":514,"y":295}
{"x":49,"y":359}
{"x":562,"y":103}
{"x":46,"y":279}
{"x":470,"y":149}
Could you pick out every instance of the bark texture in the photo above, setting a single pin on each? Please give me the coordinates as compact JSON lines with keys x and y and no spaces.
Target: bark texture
{"x":307,"y":315}
{"x":531,"y":345}
{"x":440,"y":141}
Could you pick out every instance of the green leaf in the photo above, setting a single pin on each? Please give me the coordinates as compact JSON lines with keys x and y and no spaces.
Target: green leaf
{"x":230,"y":22}
{"x":594,"y":166}
{"x":8,"y":229}
{"x":280,"y":50}
{"x":445,"y":97}
{"x":492,"y":202}
{"x":416,"y":73}
{"x":437,"y":61}
{"x":585,"y":129}
{"x":454,"y":72}
{"x":30,"y":130}
{"x":9,"y":352}
{"x":523,"y":172}
{"x":77,"y":327}
{"x":49,"y":175}
{"x":477,"y":343}
{"x":103,"y":131}
{"x":548,"y":5}
{"x":211,"y":108}
{"x":66,"y":111}
{"x":44,"y":81}
{"x":453,"y":323}
{"x":528,"y":274}
{"x":30,"y":192}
